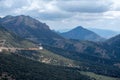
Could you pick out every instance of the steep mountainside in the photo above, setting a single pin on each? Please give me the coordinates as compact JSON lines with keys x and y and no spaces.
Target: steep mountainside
{"x":12,"y":40}
{"x":81,"y":33}
{"x":27,"y":27}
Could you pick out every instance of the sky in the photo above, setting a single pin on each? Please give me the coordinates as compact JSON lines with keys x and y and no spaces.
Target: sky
{"x":67,"y":14}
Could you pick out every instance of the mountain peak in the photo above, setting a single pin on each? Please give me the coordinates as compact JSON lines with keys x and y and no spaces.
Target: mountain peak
{"x":18,"y":21}
{"x":79,"y":27}
{"x":81,"y":33}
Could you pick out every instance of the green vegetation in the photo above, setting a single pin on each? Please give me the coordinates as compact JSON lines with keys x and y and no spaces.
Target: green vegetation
{"x":21,"y":68}
{"x":98,"y":77}
{"x":89,"y":63}
{"x":48,"y":57}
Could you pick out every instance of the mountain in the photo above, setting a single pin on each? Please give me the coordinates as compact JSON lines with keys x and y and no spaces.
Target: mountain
{"x":114,"y":46}
{"x":81,"y":33}
{"x":44,"y":56}
{"x":104,"y":33}
{"x":29,"y":28}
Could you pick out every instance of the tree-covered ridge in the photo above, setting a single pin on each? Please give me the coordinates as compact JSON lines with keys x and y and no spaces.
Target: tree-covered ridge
{"x":25,"y":69}
{"x":48,"y":57}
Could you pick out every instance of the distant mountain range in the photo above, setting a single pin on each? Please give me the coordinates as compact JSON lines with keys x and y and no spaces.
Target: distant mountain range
{"x":104,"y":33}
{"x":81,"y":33}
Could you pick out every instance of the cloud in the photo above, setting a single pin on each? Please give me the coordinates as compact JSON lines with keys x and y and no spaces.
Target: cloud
{"x":8,"y":7}
{"x":54,"y":9}
{"x":43,"y":9}
{"x":116,"y":6}
{"x":66,"y":12}
{"x":54,"y":16}
{"x":85,"y":6}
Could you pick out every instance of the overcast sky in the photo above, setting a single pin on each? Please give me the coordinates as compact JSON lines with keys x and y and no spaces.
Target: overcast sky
{"x":66,"y":14}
